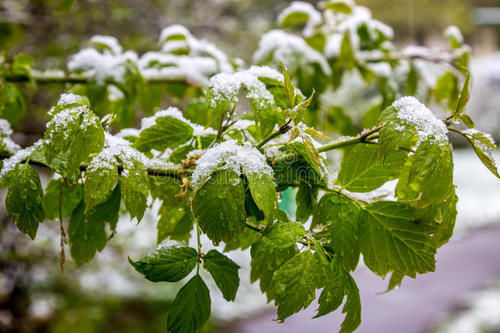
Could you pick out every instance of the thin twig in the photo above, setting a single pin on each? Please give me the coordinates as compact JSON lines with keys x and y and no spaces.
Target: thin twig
{"x":282,"y":130}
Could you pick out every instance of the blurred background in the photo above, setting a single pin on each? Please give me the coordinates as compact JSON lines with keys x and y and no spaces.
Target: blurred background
{"x":106,"y":295}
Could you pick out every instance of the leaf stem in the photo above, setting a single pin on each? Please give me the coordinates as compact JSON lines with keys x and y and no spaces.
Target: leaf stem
{"x":62,"y":257}
{"x":282,"y":130}
{"x":198,"y":239}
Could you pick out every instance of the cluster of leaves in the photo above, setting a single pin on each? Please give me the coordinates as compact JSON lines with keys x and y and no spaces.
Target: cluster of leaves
{"x":218,"y":169}
{"x":346,"y":38}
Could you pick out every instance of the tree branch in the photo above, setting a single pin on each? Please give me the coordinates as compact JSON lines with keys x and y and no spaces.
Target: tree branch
{"x":174,"y":172}
{"x":61,"y":78}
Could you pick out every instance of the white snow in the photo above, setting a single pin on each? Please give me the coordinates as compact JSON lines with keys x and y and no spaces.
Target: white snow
{"x":5,"y":129}
{"x":127,"y":132}
{"x":333,"y":44}
{"x":226,"y":86}
{"x":412,"y":113}
{"x":101,"y":66}
{"x":5,"y":133}
{"x":337,"y":24}
{"x":69,"y":98}
{"x":110,"y":42}
{"x":381,"y":69}
{"x":284,"y":46}
{"x":194,"y":68}
{"x":62,"y":119}
{"x":114,"y":94}
{"x":20,"y":155}
{"x":242,"y":124}
{"x":117,"y":147}
{"x":173,"y":30}
{"x":230,"y":155}
{"x":454,"y":33}
{"x":174,"y":112}
{"x":196,"y":47}
{"x":475,"y":132}
{"x":314,"y":16}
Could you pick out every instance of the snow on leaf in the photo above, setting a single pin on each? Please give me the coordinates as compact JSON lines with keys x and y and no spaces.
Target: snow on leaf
{"x":107,"y":65}
{"x":230,"y":156}
{"x":282,"y":46}
{"x":300,"y":12}
{"x":109,"y":43}
{"x":20,"y":155}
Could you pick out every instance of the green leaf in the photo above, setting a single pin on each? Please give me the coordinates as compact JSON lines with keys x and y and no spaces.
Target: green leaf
{"x":263,"y":192}
{"x":175,"y":223}
{"x":391,"y":240}
{"x":109,"y":210}
{"x":347,"y":57}
{"x":225,"y":273}
{"x":313,"y":156}
{"x":219,"y":206}
{"x":316,"y":134}
{"x":464,"y":94}
{"x":340,"y":122}
{"x":395,"y":281}
{"x":243,"y":241}
{"x":24,"y":199}
{"x":134,"y":188}
{"x":482,"y":143}
{"x":65,"y":5}
{"x":340,"y":6}
{"x":289,"y":87}
{"x":427,"y":177}
{"x":22,"y":64}
{"x":352,"y":307}
{"x":302,"y":106}
{"x":283,"y":235}
{"x":341,"y":284}
{"x":101,"y":177}
{"x":265,"y":261}
{"x":190,"y":309}
{"x":294,"y":284}
{"x":467,"y":120}
{"x":412,"y":80}
{"x":169,"y":264}
{"x":293,"y":18}
{"x":168,"y":132}
{"x":12,"y":102}
{"x":337,"y":219}
{"x":71,"y":137}
{"x":87,"y":235}
{"x":296,"y":170}
{"x":334,"y":291}
{"x":71,"y":197}
{"x":362,"y":171}
{"x":447,"y":90}
{"x":306,"y":201}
